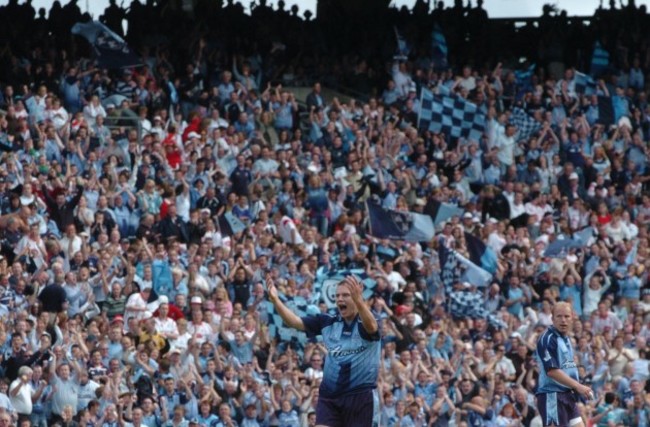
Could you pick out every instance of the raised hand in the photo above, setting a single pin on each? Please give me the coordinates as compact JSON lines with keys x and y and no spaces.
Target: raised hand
{"x":355,"y":287}
{"x":272,"y":290}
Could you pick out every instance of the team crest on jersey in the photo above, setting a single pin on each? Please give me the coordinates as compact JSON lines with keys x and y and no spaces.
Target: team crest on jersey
{"x":547,"y":356}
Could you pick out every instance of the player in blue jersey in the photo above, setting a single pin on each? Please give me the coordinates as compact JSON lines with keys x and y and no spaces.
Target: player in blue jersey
{"x":558,"y":387}
{"x":348,"y":395}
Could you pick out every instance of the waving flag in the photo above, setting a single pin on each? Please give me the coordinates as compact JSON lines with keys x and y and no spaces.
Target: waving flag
{"x":462,"y":303}
{"x":229,"y":224}
{"x":111,"y":50}
{"x":585,"y":84}
{"x":403,"y":48}
{"x":451,"y":115}
{"x":524,"y":80}
{"x":481,"y":254}
{"x":440,"y":212}
{"x":399,"y":225}
{"x":439,"y":49}
{"x":599,"y":60}
{"x":526,"y":124}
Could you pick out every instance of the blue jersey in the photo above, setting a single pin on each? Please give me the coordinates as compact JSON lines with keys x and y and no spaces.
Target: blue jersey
{"x":554,"y":351}
{"x":352,"y":362}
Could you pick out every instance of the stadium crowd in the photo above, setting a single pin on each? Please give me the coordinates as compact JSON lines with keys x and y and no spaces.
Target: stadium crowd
{"x":128,"y":297}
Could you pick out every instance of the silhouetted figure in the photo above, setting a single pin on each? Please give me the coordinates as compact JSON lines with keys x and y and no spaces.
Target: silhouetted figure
{"x":113,"y":16}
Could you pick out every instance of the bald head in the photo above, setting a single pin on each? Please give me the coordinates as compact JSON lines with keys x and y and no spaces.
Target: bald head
{"x":563,"y":317}
{"x":562,"y":306}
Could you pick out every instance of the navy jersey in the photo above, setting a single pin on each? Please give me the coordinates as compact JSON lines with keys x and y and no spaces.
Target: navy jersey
{"x":352,"y":362}
{"x":554,"y":351}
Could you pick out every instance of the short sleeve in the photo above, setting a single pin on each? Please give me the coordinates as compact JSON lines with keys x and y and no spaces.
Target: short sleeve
{"x":368,"y":336}
{"x":548,"y":353}
{"x":314,"y":324}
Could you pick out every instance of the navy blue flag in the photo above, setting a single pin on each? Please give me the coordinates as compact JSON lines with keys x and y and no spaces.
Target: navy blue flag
{"x":399,"y":225}
{"x":607,"y":111}
{"x":526,"y":125}
{"x":599,"y":60}
{"x":462,"y":302}
{"x":439,"y":49}
{"x":441,"y":212}
{"x":229,"y":224}
{"x":111,"y":51}
{"x":452,"y":115}
{"x":585,"y":84}
{"x":524,"y":77}
{"x":481,"y":254}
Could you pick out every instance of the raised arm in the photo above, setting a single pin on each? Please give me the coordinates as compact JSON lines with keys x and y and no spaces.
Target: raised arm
{"x":288,"y":316}
{"x":367,"y":319}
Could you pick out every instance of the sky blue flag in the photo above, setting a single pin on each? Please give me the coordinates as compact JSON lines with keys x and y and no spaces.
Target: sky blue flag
{"x":439,"y":49}
{"x":399,"y":225}
{"x":599,"y":60}
{"x":560,"y":247}
{"x":111,"y":51}
{"x":229,"y":224}
{"x":585,"y":235}
{"x":585,"y":84}
{"x":481,"y":254}
{"x":440,"y":211}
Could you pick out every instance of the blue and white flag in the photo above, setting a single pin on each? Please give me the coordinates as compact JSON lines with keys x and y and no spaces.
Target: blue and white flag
{"x":585,"y":84}
{"x":440,"y":211}
{"x":481,"y":254}
{"x":599,"y":60}
{"x":452,"y":115}
{"x":463,"y":302}
{"x":524,"y":77}
{"x":111,"y":50}
{"x":439,"y":49}
{"x":526,"y":125}
{"x":229,"y":224}
{"x":559,"y":248}
{"x":277,"y":329}
{"x":399,"y":225}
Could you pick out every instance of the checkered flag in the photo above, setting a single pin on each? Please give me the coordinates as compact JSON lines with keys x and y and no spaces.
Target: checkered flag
{"x":585,"y":84}
{"x":451,"y":115}
{"x":462,"y":303}
{"x":526,"y":125}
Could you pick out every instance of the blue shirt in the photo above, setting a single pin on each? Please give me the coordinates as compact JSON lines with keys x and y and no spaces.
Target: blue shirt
{"x":352,"y":362}
{"x":554,"y":351}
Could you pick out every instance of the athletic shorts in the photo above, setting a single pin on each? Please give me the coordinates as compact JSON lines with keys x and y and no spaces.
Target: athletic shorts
{"x":356,"y":410}
{"x":559,"y":409}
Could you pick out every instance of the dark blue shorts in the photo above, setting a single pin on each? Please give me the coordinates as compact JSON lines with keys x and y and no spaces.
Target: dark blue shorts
{"x":558,"y":409}
{"x":357,"y":410}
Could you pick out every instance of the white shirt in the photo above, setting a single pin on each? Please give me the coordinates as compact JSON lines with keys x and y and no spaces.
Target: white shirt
{"x":135,"y":301}
{"x":166,"y":326}
{"x":22,"y":402}
{"x":203,"y":331}
{"x":289,"y":232}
